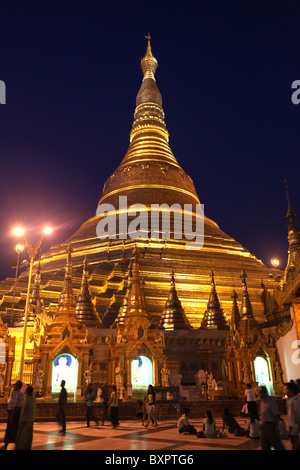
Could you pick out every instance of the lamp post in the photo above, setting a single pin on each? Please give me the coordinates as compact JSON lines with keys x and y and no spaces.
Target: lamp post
{"x":32,"y":251}
{"x":19,"y":250}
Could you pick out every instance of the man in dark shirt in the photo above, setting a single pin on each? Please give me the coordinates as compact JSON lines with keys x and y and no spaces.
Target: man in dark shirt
{"x":62,"y":403}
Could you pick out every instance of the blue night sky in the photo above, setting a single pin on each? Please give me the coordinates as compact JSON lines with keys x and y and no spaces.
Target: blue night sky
{"x":72,"y":72}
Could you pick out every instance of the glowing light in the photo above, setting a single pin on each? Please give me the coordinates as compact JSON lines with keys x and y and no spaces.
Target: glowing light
{"x":275,"y":262}
{"x":47,"y":230}
{"x":18,"y":231}
{"x":19,"y":248}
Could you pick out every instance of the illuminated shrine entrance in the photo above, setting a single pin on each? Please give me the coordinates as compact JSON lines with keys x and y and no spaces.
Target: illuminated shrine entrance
{"x":262,"y":372}
{"x":141,"y":372}
{"x":64,"y":367}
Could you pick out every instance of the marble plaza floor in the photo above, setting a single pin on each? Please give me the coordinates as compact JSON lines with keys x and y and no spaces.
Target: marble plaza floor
{"x":132,"y":436}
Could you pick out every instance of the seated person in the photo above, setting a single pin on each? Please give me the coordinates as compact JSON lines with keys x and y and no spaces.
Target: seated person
{"x":184,"y":425}
{"x":231,"y":423}
{"x":253,"y":426}
{"x":209,"y":426}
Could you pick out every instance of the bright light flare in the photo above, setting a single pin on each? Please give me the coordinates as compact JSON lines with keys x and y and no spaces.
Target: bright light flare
{"x":18,"y":231}
{"x":19,"y":248}
{"x":48,"y":230}
{"x":275,"y":262}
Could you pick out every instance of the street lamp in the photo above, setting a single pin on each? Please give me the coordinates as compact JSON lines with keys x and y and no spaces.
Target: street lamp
{"x":18,"y":231}
{"x":275,"y":262}
{"x":32,"y":251}
{"x":19,"y":248}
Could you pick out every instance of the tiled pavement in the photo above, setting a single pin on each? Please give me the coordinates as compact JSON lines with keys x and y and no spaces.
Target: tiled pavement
{"x":132,"y":436}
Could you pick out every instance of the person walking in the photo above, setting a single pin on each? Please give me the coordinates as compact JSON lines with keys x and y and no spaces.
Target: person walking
{"x":62,"y":403}
{"x":293,"y":414}
{"x":114,"y":408}
{"x":25,"y":429}
{"x":14,"y":411}
{"x":269,"y":417}
{"x":151,"y":400}
{"x":250,"y":399}
{"x":89,"y":394}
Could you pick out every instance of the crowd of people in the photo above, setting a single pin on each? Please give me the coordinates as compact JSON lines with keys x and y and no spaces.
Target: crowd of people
{"x":263,"y":422}
{"x":21,"y":410}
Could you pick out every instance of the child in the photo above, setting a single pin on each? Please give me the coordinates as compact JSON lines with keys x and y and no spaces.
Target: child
{"x":140,"y":411}
{"x":253,"y":427}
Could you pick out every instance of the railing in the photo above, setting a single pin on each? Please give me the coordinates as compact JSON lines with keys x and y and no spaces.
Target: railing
{"x":27,"y":374}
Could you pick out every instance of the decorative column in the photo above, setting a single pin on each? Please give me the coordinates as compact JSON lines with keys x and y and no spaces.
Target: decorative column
{"x":296,"y":308}
{"x":155,"y":366}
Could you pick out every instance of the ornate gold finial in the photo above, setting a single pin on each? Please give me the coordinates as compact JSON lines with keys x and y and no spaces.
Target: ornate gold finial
{"x":149,"y":63}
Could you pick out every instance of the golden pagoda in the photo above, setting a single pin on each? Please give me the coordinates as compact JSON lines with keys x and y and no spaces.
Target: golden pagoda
{"x":122,"y":288}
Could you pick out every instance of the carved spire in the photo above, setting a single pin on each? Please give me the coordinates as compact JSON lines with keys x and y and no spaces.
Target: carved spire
{"x":85,"y":309}
{"x":136,"y":311}
{"x":124,"y":308}
{"x":248,"y":324}
{"x":173,"y":316}
{"x":66,"y":304}
{"x":293,"y":238}
{"x":247,"y":311}
{"x":214,"y":316}
{"x":235,"y":313}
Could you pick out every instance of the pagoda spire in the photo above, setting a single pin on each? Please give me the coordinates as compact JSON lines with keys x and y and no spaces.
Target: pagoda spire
{"x":235,"y":313}
{"x":66,"y":304}
{"x":124,"y":307}
{"x":85,"y":309}
{"x":136,"y":311}
{"x":214,"y":316}
{"x":149,"y":169}
{"x":173,"y":316}
{"x":247,"y":323}
{"x":149,"y":112}
{"x":293,"y":238}
{"x":149,"y":63}
{"x":247,"y":311}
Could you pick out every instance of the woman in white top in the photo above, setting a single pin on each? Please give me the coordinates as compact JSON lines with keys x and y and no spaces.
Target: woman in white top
{"x":250,"y":399}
